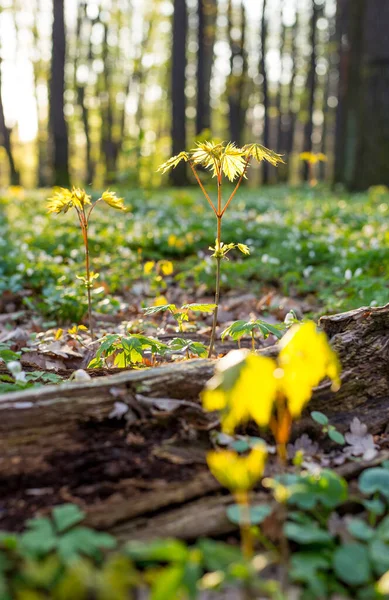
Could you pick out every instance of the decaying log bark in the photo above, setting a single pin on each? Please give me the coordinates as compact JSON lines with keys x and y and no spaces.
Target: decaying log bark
{"x":67,"y":443}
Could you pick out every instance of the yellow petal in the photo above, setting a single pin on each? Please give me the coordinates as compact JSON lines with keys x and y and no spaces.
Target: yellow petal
{"x":237,"y":473}
{"x":306,"y":358}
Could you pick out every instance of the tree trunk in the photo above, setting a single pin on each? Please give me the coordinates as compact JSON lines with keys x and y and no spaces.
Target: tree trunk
{"x":265,"y":90}
{"x":311,"y":86}
{"x":5,"y":139}
{"x":207,"y":13}
{"x":363,"y":118}
{"x":178,"y":176}
{"x":237,"y":79}
{"x":131,"y":445}
{"x":58,"y":127}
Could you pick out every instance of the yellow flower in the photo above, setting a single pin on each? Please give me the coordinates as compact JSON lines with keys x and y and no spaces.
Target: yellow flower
{"x":246,"y":386}
{"x":166,"y":267}
{"x":112,"y":200}
{"x":243,"y":388}
{"x":148,"y":267}
{"x":160,"y":301}
{"x":305,"y":359}
{"x":237,"y":473}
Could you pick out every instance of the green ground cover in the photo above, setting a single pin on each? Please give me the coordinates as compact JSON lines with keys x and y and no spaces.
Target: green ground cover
{"x":314,"y":243}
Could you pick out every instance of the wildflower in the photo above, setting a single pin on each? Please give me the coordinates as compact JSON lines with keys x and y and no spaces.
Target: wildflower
{"x":237,"y":473}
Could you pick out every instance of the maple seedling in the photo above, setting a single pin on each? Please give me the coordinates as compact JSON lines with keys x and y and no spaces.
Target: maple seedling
{"x":224,"y":161}
{"x":77,"y":198}
{"x":313,"y":159}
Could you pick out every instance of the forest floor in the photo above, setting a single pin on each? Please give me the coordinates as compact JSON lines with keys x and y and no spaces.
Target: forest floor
{"x":312,"y":251}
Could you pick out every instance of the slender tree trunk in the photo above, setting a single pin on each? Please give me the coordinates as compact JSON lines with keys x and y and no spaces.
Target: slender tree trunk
{"x":311,"y":86}
{"x":5,"y":138}
{"x":236,"y":84}
{"x":207,"y":13}
{"x":342,"y":18}
{"x":5,"y":141}
{"x":58,"y":127}
{"x":39,"y":75}
{"x":178,"y":176}
{"x":279,"y":103}
{"x":292,"y":110}
{"x":265,"y":89}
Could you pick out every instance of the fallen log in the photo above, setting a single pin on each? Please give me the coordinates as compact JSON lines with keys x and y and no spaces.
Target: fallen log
{"x":71,"y":443}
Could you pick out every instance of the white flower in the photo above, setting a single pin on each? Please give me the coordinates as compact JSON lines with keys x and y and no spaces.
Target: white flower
{"x":358,"y":272}
{"x":348,"y":274}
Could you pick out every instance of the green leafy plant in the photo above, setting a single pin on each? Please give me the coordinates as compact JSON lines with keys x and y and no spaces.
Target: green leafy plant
{"x":77,"y":198}
{"x":223,"y":160}
{"x":328,"y":429}
{"x":240,"y":328}
{"x":180,"y":315}
{"x":125,"y":351}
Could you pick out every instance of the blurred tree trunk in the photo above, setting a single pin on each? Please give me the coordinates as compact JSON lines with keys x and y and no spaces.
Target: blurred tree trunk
{"x":80,"y":87}
{"x":363,"y":128}
{"x":178,"y":176}
{"x":207,"y":13}
{"x":5,"y":137}
{"x":5,"y":141}
{"x":58,"y":127}
{"x":265,"y":89}
{"x":311,"y":85}
{"x":40,"y":76}
{"x":279,"y":99}
{"x":292,"y":109}
{"x":237,"y":79}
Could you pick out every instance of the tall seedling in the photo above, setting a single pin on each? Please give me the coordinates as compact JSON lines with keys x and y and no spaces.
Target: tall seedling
{"x":77,"y":198}
{"x":231,"y":162}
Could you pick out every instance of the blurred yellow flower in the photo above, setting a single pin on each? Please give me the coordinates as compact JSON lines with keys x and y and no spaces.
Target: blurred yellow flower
{"x":148,"y":267}
{"x":243,"y":388}
{"x":305,"y":359}
{"x":160,"y":301}
{"x":166,"y":267}
{"x":247,"y":386}
{"x":237,"y":473}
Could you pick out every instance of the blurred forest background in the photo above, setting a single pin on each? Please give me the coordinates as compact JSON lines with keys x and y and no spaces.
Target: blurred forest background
{"x":101,"y":91}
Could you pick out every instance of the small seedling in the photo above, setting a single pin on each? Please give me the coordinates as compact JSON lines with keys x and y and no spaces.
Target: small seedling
{"x":180,"y":315}
{"x":328,"y":429}
{"x":313,"y":160}
{"x":240,"y":328}
{"x":77,"y":198}
{"x":231,"y":162}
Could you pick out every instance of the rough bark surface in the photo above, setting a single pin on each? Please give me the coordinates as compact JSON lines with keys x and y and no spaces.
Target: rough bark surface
{"x":66,"y":443}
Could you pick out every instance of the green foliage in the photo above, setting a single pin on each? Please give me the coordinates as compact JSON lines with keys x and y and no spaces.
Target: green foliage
{"x":242,"y":328}
{"x":180,"y":314}
{"x":330,"y":430}
{"x":125,"y":351}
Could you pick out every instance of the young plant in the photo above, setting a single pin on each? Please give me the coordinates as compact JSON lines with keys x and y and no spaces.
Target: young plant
{"x":331,"y":430}
{"x":77,"y":198}
{"x":240,"y":328}
{"x":180,"y":315}
{"x":125,"y":351}
{"x":223,"y":160}
{"x":286,"y":384}
{"x":313,"y":160}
